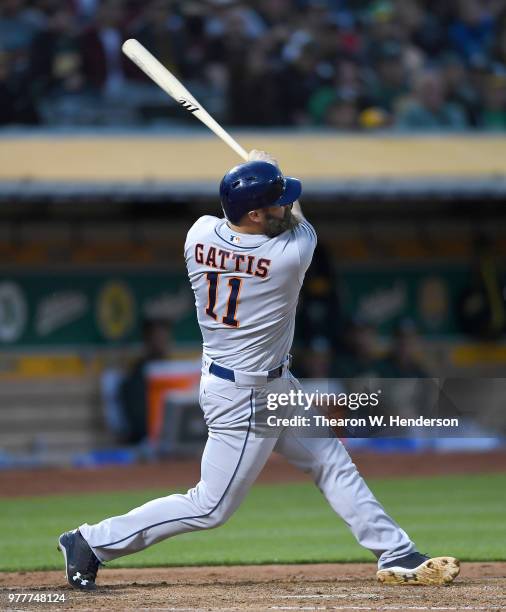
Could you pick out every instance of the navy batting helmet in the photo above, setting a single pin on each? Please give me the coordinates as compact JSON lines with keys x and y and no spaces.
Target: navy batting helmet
{"x":256,"y":184}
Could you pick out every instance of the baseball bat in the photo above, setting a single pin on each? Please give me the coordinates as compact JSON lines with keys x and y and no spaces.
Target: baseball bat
{"x":170,"y":84}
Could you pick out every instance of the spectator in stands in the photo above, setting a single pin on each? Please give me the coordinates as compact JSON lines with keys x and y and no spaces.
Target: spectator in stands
{"x":104,"y":65}
{"x":499,"y":52}
{"x":390,"y":82}
{"x":493,"y":113}
{"x":250,"y":77}
{"x":161,"y":30}
{"x":156,"y":336}
{"x":249,"y":72}
{"x":223,"y":17}
{"x":382,"y":26}
{"x":410,"y":16}
{"x":291,"y":56}
{"x":431,"y":34}
{"x":347,"y":83}
{"x":16,"y":104}
{"x":403,"y":359}
{"x":55,"y":63}
{"x":275,"y":12}
{"x":319,"y":317}
{"x":16,"y":28}
{"x":472,"y":31}
{"x":358,"y":356}
{"x":299,"y":79}
{"x":196,"y":57}
{"x":460,"y":89}
{"x":481,"y":306}
{"x":86,"y":9}
{"x":374,"y":118}
{"x":410,"y":397}
{"x":428,"y":107}
{"x":343,"y":112}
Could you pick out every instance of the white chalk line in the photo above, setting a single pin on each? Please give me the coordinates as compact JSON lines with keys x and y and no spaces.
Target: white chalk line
{"x":302,"y":608}
{"x":344,"y":608}
{"x":446,"y":608}
{"x":334,"y":596}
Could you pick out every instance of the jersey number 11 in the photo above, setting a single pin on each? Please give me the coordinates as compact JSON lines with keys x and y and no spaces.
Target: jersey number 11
{"x":234,"y":284}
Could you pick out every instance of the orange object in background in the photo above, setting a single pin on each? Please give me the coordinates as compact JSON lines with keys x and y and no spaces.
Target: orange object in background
{"x":162,"y":378}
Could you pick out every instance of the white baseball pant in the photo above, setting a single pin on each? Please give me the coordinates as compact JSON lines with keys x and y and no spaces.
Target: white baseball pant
{"x":233,"y":458}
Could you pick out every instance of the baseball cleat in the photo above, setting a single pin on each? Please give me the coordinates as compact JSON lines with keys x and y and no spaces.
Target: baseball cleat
{"x":419,"y":569}
{"x":81,"y":564}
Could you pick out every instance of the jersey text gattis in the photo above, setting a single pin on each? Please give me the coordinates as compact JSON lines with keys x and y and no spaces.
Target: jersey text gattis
{"x":222,"y":259}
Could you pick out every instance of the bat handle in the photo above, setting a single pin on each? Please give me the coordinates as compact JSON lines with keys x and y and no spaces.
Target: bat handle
{"x":232,"y":143}
{"x":241,"y":152}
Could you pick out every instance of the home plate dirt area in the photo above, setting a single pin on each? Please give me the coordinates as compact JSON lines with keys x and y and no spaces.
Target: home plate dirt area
{"x":480,"y":586}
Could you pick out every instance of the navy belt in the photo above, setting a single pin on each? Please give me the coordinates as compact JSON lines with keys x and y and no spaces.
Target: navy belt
{"x":228,"y":374}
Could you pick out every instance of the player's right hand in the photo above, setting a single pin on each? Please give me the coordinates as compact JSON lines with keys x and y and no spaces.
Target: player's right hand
{"x":256,"y":155}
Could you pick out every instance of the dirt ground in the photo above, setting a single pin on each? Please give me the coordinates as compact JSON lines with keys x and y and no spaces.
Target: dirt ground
{"x":186,"y":473}
{"x":481,"y":586}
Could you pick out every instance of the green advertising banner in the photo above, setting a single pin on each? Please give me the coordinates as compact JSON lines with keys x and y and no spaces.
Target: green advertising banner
{"x":102,"y":308}
{"x":427,"y":294}
{"x":81,"y":308}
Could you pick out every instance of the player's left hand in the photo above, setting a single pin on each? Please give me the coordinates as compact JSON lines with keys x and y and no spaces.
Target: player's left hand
{"x":256,"y":155}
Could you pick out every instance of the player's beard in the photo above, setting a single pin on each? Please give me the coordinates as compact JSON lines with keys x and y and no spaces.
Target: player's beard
{"x":275,"y":226}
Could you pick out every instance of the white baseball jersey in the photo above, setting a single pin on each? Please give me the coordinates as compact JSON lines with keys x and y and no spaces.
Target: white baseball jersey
{"x":246,"y":290}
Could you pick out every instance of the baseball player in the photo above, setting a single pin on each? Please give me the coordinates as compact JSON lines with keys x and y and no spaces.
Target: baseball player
{"x":246,"y":271}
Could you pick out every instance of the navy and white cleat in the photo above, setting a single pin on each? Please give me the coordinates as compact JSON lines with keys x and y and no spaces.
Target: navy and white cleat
{"x":416,"y":568}
{"x":81,"y":564}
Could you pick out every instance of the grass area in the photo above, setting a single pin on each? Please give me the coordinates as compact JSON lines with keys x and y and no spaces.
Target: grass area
{"x":292,"y":523}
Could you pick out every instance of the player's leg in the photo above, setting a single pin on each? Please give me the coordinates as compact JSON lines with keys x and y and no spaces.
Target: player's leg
{"x":232,"y":460}
{"x":338,"y":479}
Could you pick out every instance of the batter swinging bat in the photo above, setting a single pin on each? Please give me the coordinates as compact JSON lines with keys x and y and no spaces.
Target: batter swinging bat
{"x":168,"y":82}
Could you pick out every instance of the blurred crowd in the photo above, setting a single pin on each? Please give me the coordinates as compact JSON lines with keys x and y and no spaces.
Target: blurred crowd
{"x":332,"y":344}
{"x":347,"y":64}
